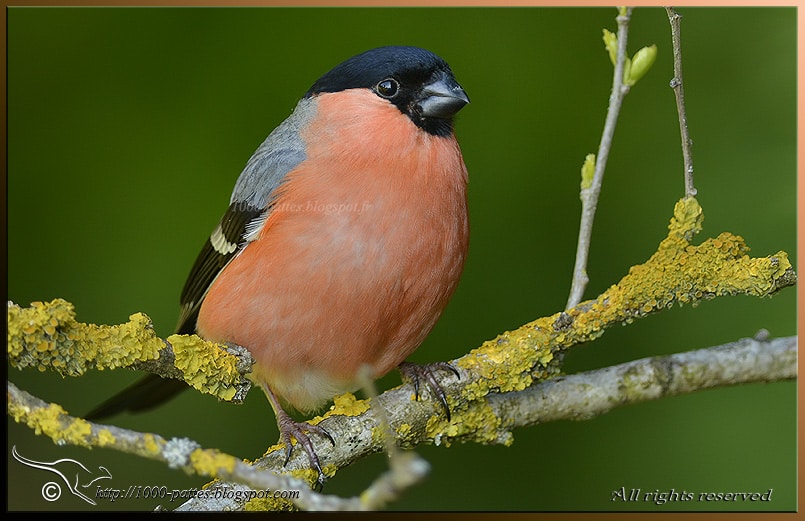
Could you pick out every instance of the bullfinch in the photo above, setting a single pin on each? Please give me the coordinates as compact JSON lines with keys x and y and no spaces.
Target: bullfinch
{"x":344,"y":239}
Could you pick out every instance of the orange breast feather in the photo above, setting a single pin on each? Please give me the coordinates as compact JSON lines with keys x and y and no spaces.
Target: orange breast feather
{"x":361,"y":252}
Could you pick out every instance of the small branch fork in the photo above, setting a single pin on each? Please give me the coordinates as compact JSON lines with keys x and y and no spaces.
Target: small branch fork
{"x":589,"y":195}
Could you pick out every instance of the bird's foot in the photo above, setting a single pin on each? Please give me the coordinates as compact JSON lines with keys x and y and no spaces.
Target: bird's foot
{"x":416,"y":373}
{"x":290,"y":428}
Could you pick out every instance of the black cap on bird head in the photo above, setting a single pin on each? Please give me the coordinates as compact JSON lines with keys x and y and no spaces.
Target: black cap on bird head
{"x":419,"y":83}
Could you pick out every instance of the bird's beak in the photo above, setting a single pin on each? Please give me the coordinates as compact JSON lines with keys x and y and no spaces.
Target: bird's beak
{"x":443,"y":97}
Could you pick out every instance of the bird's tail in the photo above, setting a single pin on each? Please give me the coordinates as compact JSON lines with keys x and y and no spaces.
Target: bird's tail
{"x":144,"y":394}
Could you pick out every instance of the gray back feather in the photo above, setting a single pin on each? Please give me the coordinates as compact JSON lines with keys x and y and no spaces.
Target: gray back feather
{"x":282,"y":150}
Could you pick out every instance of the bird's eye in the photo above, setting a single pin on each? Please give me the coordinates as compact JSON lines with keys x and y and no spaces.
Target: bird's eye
{"x":388,"y":88}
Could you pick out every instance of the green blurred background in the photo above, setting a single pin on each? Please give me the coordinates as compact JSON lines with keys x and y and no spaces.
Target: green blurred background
{"x":127,"y":128}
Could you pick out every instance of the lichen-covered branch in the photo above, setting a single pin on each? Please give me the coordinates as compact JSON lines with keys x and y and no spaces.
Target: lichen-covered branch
{"x":575,"y":397}
{"x":181,"y":453}
{"x":586,"y":395}
{"x":53,"y":421}
{"x":678,"y":272}
{"x":47,"y":336}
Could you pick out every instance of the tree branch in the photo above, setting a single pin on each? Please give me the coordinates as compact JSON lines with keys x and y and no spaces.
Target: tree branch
{"x":47,"y":335}
{"x":586,"y":395}
{"x":575,"y":397}
{"x":678,"y":272}
{"x":181,"y":453}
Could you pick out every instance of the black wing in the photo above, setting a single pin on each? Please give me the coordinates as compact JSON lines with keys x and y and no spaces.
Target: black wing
{"x":228,"y":238}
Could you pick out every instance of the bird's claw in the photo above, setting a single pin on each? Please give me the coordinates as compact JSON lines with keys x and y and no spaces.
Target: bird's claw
{"x":290,"y":428}
{"x":416,"y":373}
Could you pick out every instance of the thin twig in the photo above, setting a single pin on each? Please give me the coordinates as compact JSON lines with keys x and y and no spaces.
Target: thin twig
{"x":679,"y":93}
{"x":589,"y":195}
{"x":406,"y":469}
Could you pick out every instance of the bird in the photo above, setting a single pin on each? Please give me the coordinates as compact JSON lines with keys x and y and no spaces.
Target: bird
{"x":344,"y":239}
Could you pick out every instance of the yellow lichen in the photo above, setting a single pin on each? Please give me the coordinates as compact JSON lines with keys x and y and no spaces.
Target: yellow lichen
{"x":347,"y":405}
{"x":105,"y":437}
{"x":506,"y":363}
{"x":310,"y":476}
{"x":77,"y":429}
{"x":153,"y":445}
{"x":211,"y":462}
{"x":477,"y":422}
{"x":403,"y":430}
{"x":328,"y":470}
{"x":269,"y":504}
{"x":274,"y":448}
{"x":47,"y":336}
{"x":53,"y":422}
{"x":208,"y":368}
